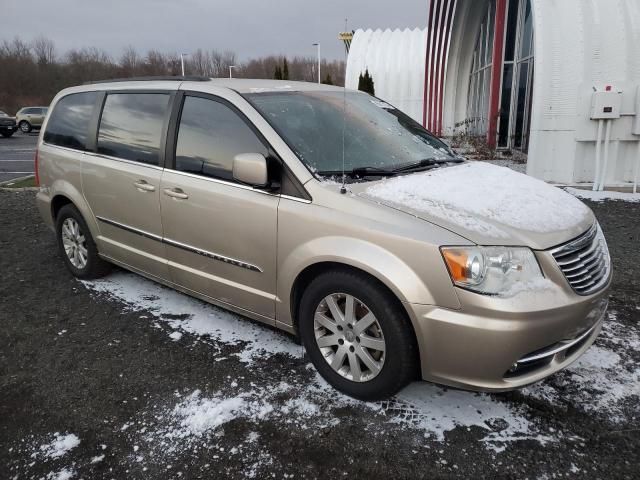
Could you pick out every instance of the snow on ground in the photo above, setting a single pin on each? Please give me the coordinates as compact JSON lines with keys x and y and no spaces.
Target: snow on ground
{"x":183,"y":313}
{"x":58,"y":446}
{"x":602,"y":196}
{"x":64,"y":474}
{"x":601,"y":381}
{"x":516,"y":200}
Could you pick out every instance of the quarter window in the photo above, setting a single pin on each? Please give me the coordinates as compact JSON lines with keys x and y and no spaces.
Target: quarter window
{"x":131,"y":126}
{"x":69,"y":122}
{"x":210,"y":135}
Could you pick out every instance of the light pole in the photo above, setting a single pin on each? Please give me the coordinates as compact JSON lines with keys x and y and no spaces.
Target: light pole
{"x":318,"y":45}
{"x":230,"y":68}
{"x":182,"y":55}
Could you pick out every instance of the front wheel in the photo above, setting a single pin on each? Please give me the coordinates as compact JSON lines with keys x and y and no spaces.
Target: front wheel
{"x":76,"y":244}
{"x":25,"y":126}
{"x":357,"y":335}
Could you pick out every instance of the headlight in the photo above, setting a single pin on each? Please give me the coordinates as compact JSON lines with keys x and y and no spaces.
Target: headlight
{"x":491,"y":270}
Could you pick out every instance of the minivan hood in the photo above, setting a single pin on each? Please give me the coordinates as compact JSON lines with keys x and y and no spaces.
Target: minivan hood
{"x":486,"y":204}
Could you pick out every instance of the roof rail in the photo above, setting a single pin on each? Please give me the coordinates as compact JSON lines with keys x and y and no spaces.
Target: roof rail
{"x":176,"y":78}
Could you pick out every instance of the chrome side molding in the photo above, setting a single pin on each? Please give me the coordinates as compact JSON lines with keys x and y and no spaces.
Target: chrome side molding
{"x":188,"y":248}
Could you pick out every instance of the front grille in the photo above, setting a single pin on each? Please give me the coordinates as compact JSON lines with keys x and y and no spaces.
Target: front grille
{"x":7,"y":123}
{"x":585,"y":261}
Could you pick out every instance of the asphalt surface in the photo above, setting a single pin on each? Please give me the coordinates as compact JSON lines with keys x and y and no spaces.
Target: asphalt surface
{"x":16,"y":155}
{"x":148,"y":383}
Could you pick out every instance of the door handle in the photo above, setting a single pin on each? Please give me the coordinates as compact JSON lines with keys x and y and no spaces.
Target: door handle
{"x":143,"y":186}
{"x":175,"y":193}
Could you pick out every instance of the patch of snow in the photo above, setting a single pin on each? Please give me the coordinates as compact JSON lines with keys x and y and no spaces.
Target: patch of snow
{"x":437,"y":411}
{"x":478,"y":196}
{"x":603,"y":196}
{"x":199,"y":415}
{"x":175,"y":336}
{"x":600,"y":381}
{"x":59,"y":446}
{"x":184,"y":313}
{"x":64,"y":474}
{"x":97,"y":458}
{"x":530,"y":287}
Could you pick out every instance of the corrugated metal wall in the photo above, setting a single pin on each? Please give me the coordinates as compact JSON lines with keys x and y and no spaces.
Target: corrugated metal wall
{"x":396,"y":61}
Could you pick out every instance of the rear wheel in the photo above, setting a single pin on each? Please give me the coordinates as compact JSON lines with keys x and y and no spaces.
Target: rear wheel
{"x":357,"y":335}
{"x":77,"y":246}
{"x":25,"y":127}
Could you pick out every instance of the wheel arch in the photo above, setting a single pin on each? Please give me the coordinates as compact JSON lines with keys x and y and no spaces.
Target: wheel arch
{"x":311,"y":271}
{"x":64,"y":193}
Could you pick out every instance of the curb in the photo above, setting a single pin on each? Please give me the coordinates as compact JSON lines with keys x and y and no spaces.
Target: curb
{"x":3,"y":186}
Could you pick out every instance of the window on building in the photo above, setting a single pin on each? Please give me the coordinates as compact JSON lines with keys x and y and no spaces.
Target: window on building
{"x":479,"y":86}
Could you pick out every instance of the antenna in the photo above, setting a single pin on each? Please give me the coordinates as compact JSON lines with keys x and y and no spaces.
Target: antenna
{"x":343,"y":189}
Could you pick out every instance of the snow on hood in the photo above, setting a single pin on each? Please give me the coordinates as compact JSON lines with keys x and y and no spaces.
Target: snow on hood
{"x":483,"y":202}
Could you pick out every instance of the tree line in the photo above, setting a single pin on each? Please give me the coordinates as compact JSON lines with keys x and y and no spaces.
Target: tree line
{"x":31,"y":73}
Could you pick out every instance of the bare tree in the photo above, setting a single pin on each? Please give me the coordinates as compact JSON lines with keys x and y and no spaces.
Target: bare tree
{"x":44,"y":50}
{"x":130,"y":61}
{"x":24,"y":81}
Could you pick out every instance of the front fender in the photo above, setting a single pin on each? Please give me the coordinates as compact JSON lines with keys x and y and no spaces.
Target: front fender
{"x":382,"y":264}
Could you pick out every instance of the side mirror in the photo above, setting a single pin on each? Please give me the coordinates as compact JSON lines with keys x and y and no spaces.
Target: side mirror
{"x":250,"y":169}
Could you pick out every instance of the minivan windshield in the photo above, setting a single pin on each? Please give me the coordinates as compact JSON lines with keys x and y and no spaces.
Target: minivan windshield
{"x":378,"y":138}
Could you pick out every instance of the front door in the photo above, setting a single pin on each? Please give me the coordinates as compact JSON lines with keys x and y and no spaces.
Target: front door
{"x":220,"y":236}
{"x":121,"y":181}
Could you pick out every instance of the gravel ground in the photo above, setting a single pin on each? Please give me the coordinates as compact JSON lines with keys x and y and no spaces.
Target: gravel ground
{"x":121,"y":378}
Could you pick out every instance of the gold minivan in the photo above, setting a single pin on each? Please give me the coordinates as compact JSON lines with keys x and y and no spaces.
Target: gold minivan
{"x":29,"y":118}
{"x":331,"y":215}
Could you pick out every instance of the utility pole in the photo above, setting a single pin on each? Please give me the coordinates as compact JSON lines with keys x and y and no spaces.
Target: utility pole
{"x":231,"y":67}
{"x":182,"y":55}
{"x":318,"y":45}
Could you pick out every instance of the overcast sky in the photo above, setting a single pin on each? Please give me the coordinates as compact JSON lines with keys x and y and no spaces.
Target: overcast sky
{"x":250,"y":28}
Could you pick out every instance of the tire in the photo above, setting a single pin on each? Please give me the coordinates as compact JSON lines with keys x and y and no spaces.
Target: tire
{"x":7,"y":134}
{"x":92,"y":266}
{"x":25,"y":127}
{"x":395,"y":364}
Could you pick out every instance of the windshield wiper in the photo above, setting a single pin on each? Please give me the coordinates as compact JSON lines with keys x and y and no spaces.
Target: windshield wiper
{"x":426,"y":163}
{"x":361,"y":172}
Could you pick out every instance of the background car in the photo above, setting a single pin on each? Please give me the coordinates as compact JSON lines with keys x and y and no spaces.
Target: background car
{"x":29,"y":118}
{"x":7,"y":125}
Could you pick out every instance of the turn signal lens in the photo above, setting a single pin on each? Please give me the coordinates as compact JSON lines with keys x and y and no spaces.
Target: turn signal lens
{"x":466,"y":266}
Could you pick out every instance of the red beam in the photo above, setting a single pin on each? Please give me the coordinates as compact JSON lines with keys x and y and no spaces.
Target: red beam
{"x":496,"y":72}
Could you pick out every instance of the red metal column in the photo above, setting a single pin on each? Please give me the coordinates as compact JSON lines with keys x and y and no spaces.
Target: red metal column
{"x":496,"y":72}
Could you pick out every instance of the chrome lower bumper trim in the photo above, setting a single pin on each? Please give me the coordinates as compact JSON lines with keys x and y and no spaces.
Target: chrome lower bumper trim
{"x":558,"y":347}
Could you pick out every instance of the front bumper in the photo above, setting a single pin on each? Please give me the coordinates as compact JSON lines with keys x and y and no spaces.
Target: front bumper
{"x":499,"y":344}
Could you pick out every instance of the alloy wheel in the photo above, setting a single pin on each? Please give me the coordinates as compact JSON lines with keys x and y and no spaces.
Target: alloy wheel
{"x":349,"y":337}
{"x":74,"y":242}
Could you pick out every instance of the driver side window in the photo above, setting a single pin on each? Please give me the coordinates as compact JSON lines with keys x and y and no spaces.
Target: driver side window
{"x":210,"y":135}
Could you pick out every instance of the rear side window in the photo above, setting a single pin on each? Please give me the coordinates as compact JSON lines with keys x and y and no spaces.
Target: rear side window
{"x":210,"y":135}
{"x":131,"y":126}
{"x":68,"y":124}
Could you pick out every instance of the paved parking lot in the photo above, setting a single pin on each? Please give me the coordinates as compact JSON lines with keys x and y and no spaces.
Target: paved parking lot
{"x":122,"y":378}
{"x":16,"y":155}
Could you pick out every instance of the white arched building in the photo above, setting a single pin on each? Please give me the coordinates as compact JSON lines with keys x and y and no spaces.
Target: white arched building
{"x":520,"y":72}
